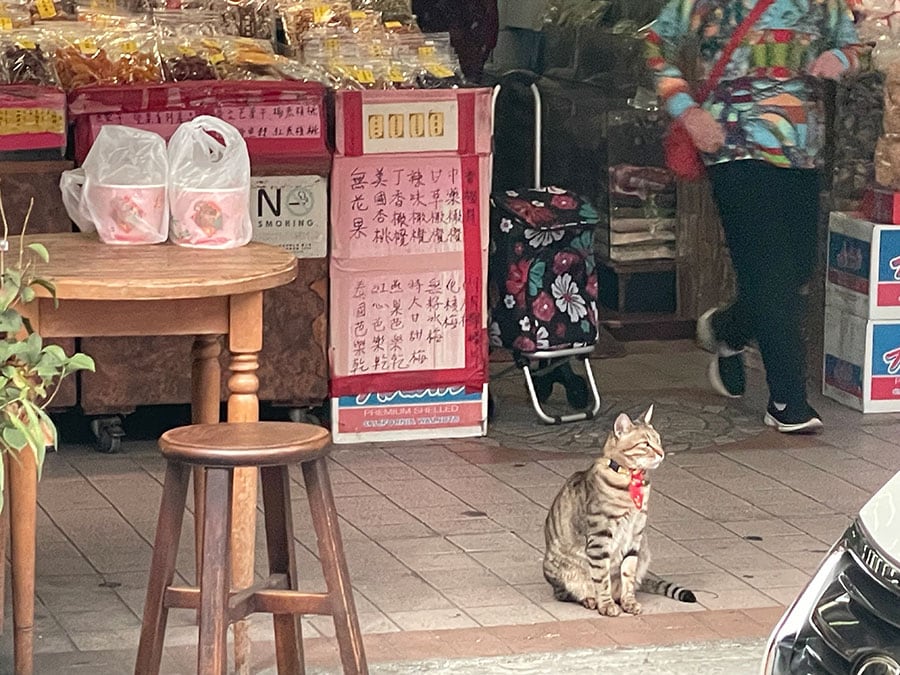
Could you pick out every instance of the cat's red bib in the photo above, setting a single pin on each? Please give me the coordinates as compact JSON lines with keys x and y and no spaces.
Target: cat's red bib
{"x":636,"y":488}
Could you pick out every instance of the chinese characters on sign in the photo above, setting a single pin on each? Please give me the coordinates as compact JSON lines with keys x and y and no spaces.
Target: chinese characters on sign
{"x":298,"y":120}
{"x":289,"y":121}
{"x":400,"y":207}
{"x":406,"y":322}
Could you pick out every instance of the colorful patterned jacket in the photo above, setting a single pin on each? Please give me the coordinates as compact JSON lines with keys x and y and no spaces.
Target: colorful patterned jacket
{"x":764,"y":100}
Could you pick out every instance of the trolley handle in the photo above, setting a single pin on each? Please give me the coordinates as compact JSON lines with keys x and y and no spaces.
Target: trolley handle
{"x":528,"y":79}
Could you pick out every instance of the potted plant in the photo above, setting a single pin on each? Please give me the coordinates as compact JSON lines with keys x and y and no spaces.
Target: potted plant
{"x":30,"y":371}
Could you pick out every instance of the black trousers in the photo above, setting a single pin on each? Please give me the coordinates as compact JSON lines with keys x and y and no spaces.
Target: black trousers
{"x":770,"y":218}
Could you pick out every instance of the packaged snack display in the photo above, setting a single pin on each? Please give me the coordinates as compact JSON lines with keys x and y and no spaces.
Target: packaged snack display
{"x":52,"y":10}
{"x":301,"y":16}
{"x":393,"y":11}
{"x":242,"y":58}
{"x":188,"y":24}
{"x":80,"y":59}
{"x":437,"y":64}
{"x":26,"y":60}
{"x":249,"y":18}
{"x":134,"y":55}
{"x":14,"y":15}
{"x":188,"y":59}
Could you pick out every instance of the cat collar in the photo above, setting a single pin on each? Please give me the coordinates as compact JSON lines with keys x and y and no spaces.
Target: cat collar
{"x":637,"y":484}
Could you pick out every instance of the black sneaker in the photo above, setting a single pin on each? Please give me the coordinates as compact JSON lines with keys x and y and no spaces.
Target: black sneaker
{"x":793,"y":419}
{"x":726,"y":375}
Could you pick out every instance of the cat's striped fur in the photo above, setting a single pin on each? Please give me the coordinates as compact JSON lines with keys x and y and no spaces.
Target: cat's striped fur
{"x":596,"y":546}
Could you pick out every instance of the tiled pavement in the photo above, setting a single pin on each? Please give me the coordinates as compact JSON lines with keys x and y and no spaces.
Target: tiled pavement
{"x":444,"y":539}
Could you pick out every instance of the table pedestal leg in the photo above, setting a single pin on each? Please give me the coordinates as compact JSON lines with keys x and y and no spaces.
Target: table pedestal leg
{"x":244,"y":344}
{"x":206,"y":394}
{"x":22,"y":477}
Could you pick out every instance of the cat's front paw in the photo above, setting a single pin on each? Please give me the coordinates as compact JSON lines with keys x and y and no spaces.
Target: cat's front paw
{"x":631,"y":606}
{"x":609,"y":609}
{"x":589,"y":603}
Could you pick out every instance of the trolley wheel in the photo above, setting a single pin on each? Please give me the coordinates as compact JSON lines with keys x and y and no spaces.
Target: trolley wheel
{"x":577,"y":393}
{"x":109,"y":434}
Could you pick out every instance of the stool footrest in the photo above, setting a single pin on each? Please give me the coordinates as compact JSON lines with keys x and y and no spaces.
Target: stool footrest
{"x":272,"y":596}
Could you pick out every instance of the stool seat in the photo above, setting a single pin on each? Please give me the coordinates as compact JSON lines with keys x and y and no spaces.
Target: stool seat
{"x":245,"y":444}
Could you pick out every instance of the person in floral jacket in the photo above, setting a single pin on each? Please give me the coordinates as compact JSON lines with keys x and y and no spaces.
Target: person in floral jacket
{"x":760,"y":131}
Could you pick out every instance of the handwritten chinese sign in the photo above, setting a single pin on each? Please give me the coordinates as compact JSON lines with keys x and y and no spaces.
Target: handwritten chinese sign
{"x":398,"y":206}
{"x":400,"y":322}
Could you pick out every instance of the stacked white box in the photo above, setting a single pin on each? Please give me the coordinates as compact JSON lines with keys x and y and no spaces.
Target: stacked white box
{"x":862,"y":314}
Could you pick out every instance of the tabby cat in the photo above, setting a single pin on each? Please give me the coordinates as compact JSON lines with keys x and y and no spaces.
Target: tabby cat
{"x":597,"y":550}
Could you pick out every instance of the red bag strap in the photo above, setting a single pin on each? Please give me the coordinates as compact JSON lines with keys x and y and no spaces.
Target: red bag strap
{"x":736,"y":38}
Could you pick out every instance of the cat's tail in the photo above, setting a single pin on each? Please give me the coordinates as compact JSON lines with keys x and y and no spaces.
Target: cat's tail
{"x":659,"y":586}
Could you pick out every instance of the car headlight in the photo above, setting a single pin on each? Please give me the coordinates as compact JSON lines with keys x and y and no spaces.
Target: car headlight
{"x":781,"y":641}
{"x":845,"y":620}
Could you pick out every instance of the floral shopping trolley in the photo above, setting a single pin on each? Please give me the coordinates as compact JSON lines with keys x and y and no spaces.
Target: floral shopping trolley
{"x":543,"y":286}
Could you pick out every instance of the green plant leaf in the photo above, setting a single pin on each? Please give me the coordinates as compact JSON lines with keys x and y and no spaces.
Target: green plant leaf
{"x":13,"y":438}
{"x":8,"y":294}
{"x":10,"y":321}
{"x":2,"y":481}
{"x":78,"y":362}
{"x":46,"y":284}
{"x":41,"y":251}
{"x":32,"y":352}
{"x":27,"y":294}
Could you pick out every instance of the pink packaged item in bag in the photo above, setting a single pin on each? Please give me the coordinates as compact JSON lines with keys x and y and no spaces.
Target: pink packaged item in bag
{"x":208,"y":218}
{"x":121,"y":189}
{"x":209,"y":185}
{"x":129,"y":214}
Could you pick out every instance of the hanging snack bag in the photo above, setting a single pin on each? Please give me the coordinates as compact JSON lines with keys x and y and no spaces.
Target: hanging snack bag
{"x":26,"y":59}
{"x":188,"y":59}
{"x":14,"y":15}
{"x":249,"y":18}
{"x":301,"y":16}
{"x":134,"y":54}
{"x":120,"y":190}
{"x":52,"y":10}
{"x":81,"y":60}
{"x":209,"y":185}
{"x":245,"y":59}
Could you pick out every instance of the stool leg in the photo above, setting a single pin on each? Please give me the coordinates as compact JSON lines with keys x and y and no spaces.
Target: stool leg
{"x":212,"y":656}
{"x":162,"y":569}
{"x":280,"y":543}
{"x":334,"y":566}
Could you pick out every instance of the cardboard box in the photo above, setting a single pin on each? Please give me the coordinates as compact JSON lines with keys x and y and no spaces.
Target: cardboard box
{"x":862,"y":361}
{"x":443,"y":412}
{"x":863,"y":268}
{"x":32,"y":118}
{"x":408,"y":276}
{"x":413,"y":121}
{"x":881,"y":205}
{"x":279,"y":120}
{"x":291,"y":212}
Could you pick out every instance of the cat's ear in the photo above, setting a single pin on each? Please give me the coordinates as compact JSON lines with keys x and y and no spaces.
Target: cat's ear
{"x":623,"y":425}
{"x":648,"y":414}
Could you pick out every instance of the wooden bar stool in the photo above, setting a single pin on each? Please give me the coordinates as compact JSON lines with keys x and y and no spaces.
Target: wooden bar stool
{"x":218,"y":449}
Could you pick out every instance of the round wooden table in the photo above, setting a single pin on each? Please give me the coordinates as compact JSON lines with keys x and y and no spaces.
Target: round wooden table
{"x":105,"y":290}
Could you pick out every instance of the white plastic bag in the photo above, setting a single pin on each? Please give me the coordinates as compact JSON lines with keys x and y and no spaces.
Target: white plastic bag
{"x":120,"y":190}
{"x":209,"y":185}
